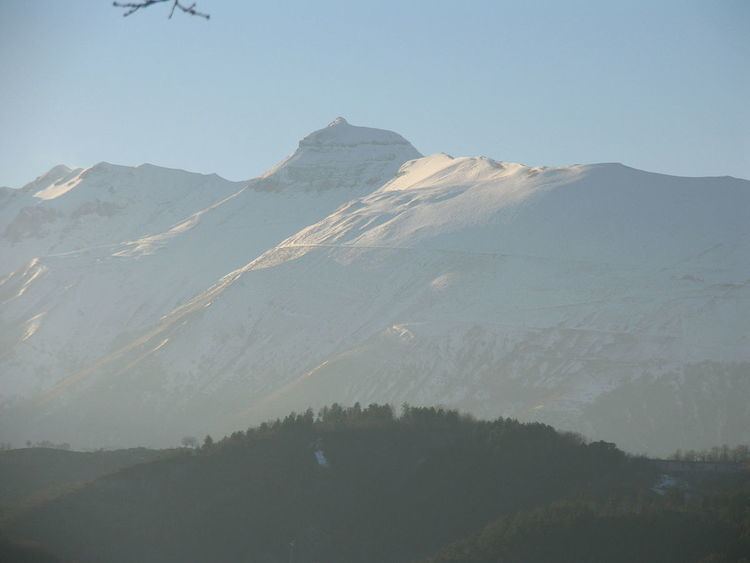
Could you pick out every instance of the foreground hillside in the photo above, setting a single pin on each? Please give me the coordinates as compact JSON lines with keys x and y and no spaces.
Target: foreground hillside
{"x":357,"y":485}
{"x":33,"y":476}
{"x":717,"y":531}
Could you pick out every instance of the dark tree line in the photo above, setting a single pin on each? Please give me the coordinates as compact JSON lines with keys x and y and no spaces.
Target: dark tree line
{"x":367,"y":484}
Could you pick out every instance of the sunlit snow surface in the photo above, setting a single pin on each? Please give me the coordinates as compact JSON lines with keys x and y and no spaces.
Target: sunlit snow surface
{"x":356,"y":271}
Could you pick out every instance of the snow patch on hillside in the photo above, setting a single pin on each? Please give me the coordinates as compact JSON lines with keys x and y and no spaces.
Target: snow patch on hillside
{"x":60,"y":187}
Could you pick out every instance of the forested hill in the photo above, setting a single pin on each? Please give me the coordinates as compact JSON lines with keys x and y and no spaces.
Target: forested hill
{"x":349,"y":485}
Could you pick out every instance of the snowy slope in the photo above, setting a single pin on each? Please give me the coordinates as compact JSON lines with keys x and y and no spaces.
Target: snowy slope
{"x":86,"y":285}
{"x":67,"y":210}
{"x":562,"y":294}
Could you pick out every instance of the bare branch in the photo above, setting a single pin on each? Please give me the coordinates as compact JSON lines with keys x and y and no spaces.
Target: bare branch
{"x":132,"y":7}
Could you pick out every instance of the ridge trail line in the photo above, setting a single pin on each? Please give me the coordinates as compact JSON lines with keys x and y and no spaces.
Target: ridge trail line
{"x":455,"y":251}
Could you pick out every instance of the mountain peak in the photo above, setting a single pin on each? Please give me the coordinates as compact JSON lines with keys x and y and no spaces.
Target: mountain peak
{"x":47,"y":186}
{"x":340,"y":132}
{"x":342,"y":155}
{"x":49,"y":177}
{"x":338,"y":121}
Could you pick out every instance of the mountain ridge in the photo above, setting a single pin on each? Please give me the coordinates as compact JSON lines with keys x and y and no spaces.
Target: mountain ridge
{"x":491,"y":286}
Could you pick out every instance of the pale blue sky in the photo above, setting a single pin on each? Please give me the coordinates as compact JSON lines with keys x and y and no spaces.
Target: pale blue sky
{"x":663,"y":86}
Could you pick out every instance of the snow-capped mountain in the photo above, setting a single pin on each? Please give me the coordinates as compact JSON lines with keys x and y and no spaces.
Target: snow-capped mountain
{"x":86,"y":280}
{"x":68,"y":210}
{"x":599,"y":298}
